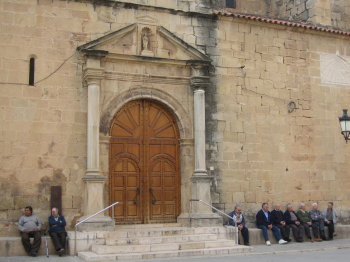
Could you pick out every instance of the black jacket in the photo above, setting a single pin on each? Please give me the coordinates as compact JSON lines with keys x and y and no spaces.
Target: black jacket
{"x":276,"y":217}
{"x":261,"y":218}
{"x":288,"y":219}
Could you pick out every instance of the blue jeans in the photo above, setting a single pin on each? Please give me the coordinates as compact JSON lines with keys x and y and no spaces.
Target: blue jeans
{"x":275,"y":230}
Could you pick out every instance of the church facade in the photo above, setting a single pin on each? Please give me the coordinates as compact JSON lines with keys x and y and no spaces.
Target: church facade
{"x":154,"y":104}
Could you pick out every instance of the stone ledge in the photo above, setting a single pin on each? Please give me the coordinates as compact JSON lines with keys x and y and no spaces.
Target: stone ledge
{"x":256,"y":238}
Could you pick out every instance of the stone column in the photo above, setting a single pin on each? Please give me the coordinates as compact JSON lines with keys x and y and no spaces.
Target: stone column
{"x":200,"y":215}
{"x":94,"y":181}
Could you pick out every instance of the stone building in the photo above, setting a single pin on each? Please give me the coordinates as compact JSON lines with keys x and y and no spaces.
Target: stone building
{"x":153,"y":103}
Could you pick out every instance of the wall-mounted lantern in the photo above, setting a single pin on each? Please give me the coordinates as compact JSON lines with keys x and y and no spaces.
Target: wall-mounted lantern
{"x":344,"y":121}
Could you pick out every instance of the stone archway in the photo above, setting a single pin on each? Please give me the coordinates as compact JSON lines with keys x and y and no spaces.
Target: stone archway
{"x":144,"y":163}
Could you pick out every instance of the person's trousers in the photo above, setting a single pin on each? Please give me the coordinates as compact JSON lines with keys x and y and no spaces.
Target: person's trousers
{"x":58,"y":239}
{"x":31,"y":248}
{"x":318,"y":229}
{"x":298,"y":232}
{"x":275,"y":231}
{"x":330,"y":229}
{"x":245,"y":235}
{"x":285,"y":231}
{"x":307,"y":230}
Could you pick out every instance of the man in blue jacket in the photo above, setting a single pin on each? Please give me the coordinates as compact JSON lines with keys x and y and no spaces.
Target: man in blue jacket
{"x":263,"y":221}
{"x":57,"y":230}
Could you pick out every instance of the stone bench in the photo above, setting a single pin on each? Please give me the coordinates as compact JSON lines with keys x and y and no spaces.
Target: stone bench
{"x":256,"y":238}
{"x":12,"y":246}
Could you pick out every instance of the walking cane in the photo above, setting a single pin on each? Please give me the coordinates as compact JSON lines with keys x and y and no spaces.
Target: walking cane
{"x":46,"y":245}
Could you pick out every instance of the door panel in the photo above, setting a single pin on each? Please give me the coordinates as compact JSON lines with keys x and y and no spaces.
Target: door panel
{"x":144,"y":164}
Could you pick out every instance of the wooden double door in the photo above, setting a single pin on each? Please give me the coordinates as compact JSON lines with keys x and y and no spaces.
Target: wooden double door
{"x":144,"y":164}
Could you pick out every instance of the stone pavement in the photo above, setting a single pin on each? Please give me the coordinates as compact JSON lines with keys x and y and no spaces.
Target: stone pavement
{"x":338,"y":250}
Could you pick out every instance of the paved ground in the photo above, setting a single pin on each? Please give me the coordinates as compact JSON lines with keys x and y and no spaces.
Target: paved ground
{"x":328,"y":251}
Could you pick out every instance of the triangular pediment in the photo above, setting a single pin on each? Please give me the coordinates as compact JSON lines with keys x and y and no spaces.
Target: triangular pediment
{"x":145,"y":40}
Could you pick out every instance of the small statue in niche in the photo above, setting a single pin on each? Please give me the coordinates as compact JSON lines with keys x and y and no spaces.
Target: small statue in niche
{"x":145,"y":42}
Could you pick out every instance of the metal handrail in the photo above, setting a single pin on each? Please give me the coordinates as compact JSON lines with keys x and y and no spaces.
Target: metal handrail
{"x":222,"y":213}
{"x":86,"y":219}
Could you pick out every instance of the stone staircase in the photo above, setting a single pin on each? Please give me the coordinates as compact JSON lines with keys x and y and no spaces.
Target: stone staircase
{"x":162,"y":241}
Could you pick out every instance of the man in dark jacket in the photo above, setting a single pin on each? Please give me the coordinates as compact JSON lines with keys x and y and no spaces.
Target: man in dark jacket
{"x":239,"y":221}
{"x":263,"y":221}
{"x":57,"y":230}
{"x":277,"y":220}
{"x":293,"y":221}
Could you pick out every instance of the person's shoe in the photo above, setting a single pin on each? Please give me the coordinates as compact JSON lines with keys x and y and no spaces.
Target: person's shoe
{"x":33,"y":254}
{"x":287,"y":239}
{"x":317,"y":239}
{"x":268,"y":243}
{"x":282,"y":242}
{"x":247,"y":244}
{"x":61,"y":252}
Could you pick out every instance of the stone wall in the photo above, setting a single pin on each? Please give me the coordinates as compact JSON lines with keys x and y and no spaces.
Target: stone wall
{"x":265,"y":153}
{"x":257,"y":150}
{"x":43,"y":127}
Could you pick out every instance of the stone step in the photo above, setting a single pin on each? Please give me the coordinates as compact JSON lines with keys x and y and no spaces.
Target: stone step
{"x":122,"y":249}
{"x":91,"y":256}
{"x":161,"y":231}
{"x":159,"y":240}
{"x":146,"y":226}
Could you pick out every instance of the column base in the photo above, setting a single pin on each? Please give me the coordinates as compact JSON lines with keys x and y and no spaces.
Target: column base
{"x":98,"y":223}
{"x":200,"y":220}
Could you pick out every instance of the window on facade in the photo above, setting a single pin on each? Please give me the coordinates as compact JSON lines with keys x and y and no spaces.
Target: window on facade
{"x":231,"y":3}
{"x":31,"y":71}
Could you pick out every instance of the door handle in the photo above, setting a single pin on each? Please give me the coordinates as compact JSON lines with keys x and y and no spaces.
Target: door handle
{"x":152,"y":196}
{"x":137,"y":193}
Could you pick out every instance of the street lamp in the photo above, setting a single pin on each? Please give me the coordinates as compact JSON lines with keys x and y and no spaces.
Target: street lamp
{"x":344,"y":121}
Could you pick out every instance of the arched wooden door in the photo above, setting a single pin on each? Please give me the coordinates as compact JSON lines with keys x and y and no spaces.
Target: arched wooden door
{"x":144,"y":164}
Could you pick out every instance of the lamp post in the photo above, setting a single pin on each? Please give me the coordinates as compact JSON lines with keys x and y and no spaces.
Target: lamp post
{"x":344,"y":121}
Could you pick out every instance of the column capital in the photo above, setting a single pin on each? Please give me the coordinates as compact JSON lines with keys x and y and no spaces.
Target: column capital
{"x":200,"y":82}
{"x":92,"y":76}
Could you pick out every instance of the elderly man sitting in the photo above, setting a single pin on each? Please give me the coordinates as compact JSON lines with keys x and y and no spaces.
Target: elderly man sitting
{"x":239,"y":221}
{"x":305,"y":220}
{"x":317,"y":223}
{"x":277,"y":220}
{"x":293,"y":221}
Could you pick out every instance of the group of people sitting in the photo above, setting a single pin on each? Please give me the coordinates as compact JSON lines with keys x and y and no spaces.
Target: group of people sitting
{"x":280,"y":223}
{"x":30,"y":226}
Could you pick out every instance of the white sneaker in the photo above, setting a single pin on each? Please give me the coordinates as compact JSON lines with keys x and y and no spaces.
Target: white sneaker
{"x":282,"y":242}
{"x":268,"y":243}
